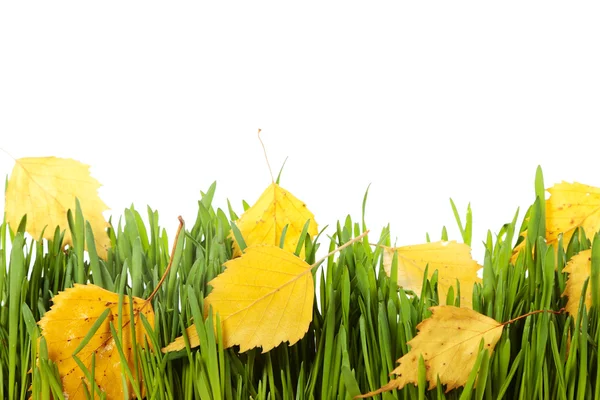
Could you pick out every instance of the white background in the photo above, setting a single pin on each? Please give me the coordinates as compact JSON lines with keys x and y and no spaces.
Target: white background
{"x":424,"y":101}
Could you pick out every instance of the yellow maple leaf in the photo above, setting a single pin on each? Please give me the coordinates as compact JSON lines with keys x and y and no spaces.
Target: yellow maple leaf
{"x":263,"y":298}
{"x":570,"y":206}
{"x":263,"y":223}
{"x":44,"y":188}
{"x":579,"y":269}
{"x":449,"y":343}
{"x":452,"y":260}
{"x":69,"y":320}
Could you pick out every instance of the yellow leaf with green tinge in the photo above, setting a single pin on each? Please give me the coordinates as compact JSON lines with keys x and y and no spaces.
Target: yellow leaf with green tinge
{"x":449,"y":344}
{"x":74,"y":312}
{"x":263,"y":223}
{"x":44,"y":188}
{"x":570,"y":206}
{"x":579,"y":269}
{"x":452,"y":260}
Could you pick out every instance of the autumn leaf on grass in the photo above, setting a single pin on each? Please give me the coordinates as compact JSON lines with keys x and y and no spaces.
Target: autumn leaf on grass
{"x":44,"y":188}
{"x":452,"y":260}
{"x":579,"y":269}
{"x":263,"y":223}
{"x":264,"y":297}
{"x":449,"y":343}
{"x":570,"y":206}
{"x":69,"y":320}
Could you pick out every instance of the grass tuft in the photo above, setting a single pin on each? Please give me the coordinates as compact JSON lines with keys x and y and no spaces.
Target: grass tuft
{"x":361,"y":323}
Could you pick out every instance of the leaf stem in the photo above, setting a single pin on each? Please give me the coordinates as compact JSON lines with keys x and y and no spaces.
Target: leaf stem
{"x":164,"y":276}
{"x":562,"y":310}
{"x":342,"y":247}
{"x":8,"y":154}
{"x":266,"y":158}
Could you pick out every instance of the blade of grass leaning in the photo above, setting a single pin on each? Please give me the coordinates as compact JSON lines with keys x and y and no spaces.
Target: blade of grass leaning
{"x":301,"y":238}
{"x":238,"y":237}
{"x":93,"y":329}
{"x":17,"y":271}
{"x":540,"y":193}
{"x":283,"y":234}
{"x":466,"y":231}
{"x":124,"y":364}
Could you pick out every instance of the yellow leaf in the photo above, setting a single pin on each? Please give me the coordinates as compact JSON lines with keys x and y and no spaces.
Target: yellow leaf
{"x":74,"y":312}
{"x":44,"y":188}
{"x":449,"y":343}
{"x":452,"y":260}
{"x":263,"y":298}
{"x":264,"y":221}
{"x":579,"y":269}
{"x":570,"y":206}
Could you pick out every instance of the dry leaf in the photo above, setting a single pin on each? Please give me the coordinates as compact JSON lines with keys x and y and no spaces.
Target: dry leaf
{"x":452,"y":260}
{"x":570,"y":206}
{"x":449,"y":343}
{"x":44,"y":188}
{"x":264,"y":297}
{"x":579,"y":268}
{"x":74,"y":312}
{"x":264,"y":221}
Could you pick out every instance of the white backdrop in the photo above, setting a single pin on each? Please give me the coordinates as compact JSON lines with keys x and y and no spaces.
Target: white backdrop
{"x":423,"y":101}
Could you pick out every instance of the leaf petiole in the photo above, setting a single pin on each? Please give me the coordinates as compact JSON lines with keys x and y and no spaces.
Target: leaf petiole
{"x":561,"y":311}
{"x":164,"y":276}
{"x":342,"y":247}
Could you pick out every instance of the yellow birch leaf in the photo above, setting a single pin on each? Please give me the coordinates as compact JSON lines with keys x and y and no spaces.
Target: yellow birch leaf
{"x":452,"y":260}
{"x":579,"y":269}
{"x":264,"y":298}
{"x":74,"y":312}
{"x":264,"y":221}
{"x":570,"y":206}
{"x":449,"y":343}
{"x":44,"y":188}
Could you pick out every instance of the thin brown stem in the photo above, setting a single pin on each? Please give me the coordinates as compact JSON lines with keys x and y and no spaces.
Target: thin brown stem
{"x":8,"y":154}
{"x":266,"y":158}
{"x":562,"y":310}
{"x":164,"y":276}
{"x":342,"y":247}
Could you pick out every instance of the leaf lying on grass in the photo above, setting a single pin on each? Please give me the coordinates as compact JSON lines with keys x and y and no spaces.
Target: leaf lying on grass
{"x":570,"y":206}
{"x":263,"y":298}
{"x":44,"y":188}
{"x":263,"y":223}
{"x":75,"y":312}
{"x":452,"y":260}
{"x":579,"y":269}
{"x":449,"y":343}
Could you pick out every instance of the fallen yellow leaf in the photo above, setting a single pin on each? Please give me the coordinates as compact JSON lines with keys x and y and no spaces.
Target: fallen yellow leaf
{"x":570,"y":206}
{"x":449,"y":344}
{"x":579,"y":269}
{"x":74,"y":312}
{"x":452,"y":260}
{"x":263,"y":223}
{"x":264,"y":297}
{"x":44,"y":188}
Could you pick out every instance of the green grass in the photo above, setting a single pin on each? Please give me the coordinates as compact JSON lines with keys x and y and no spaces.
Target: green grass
{"x":361,"y":323}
